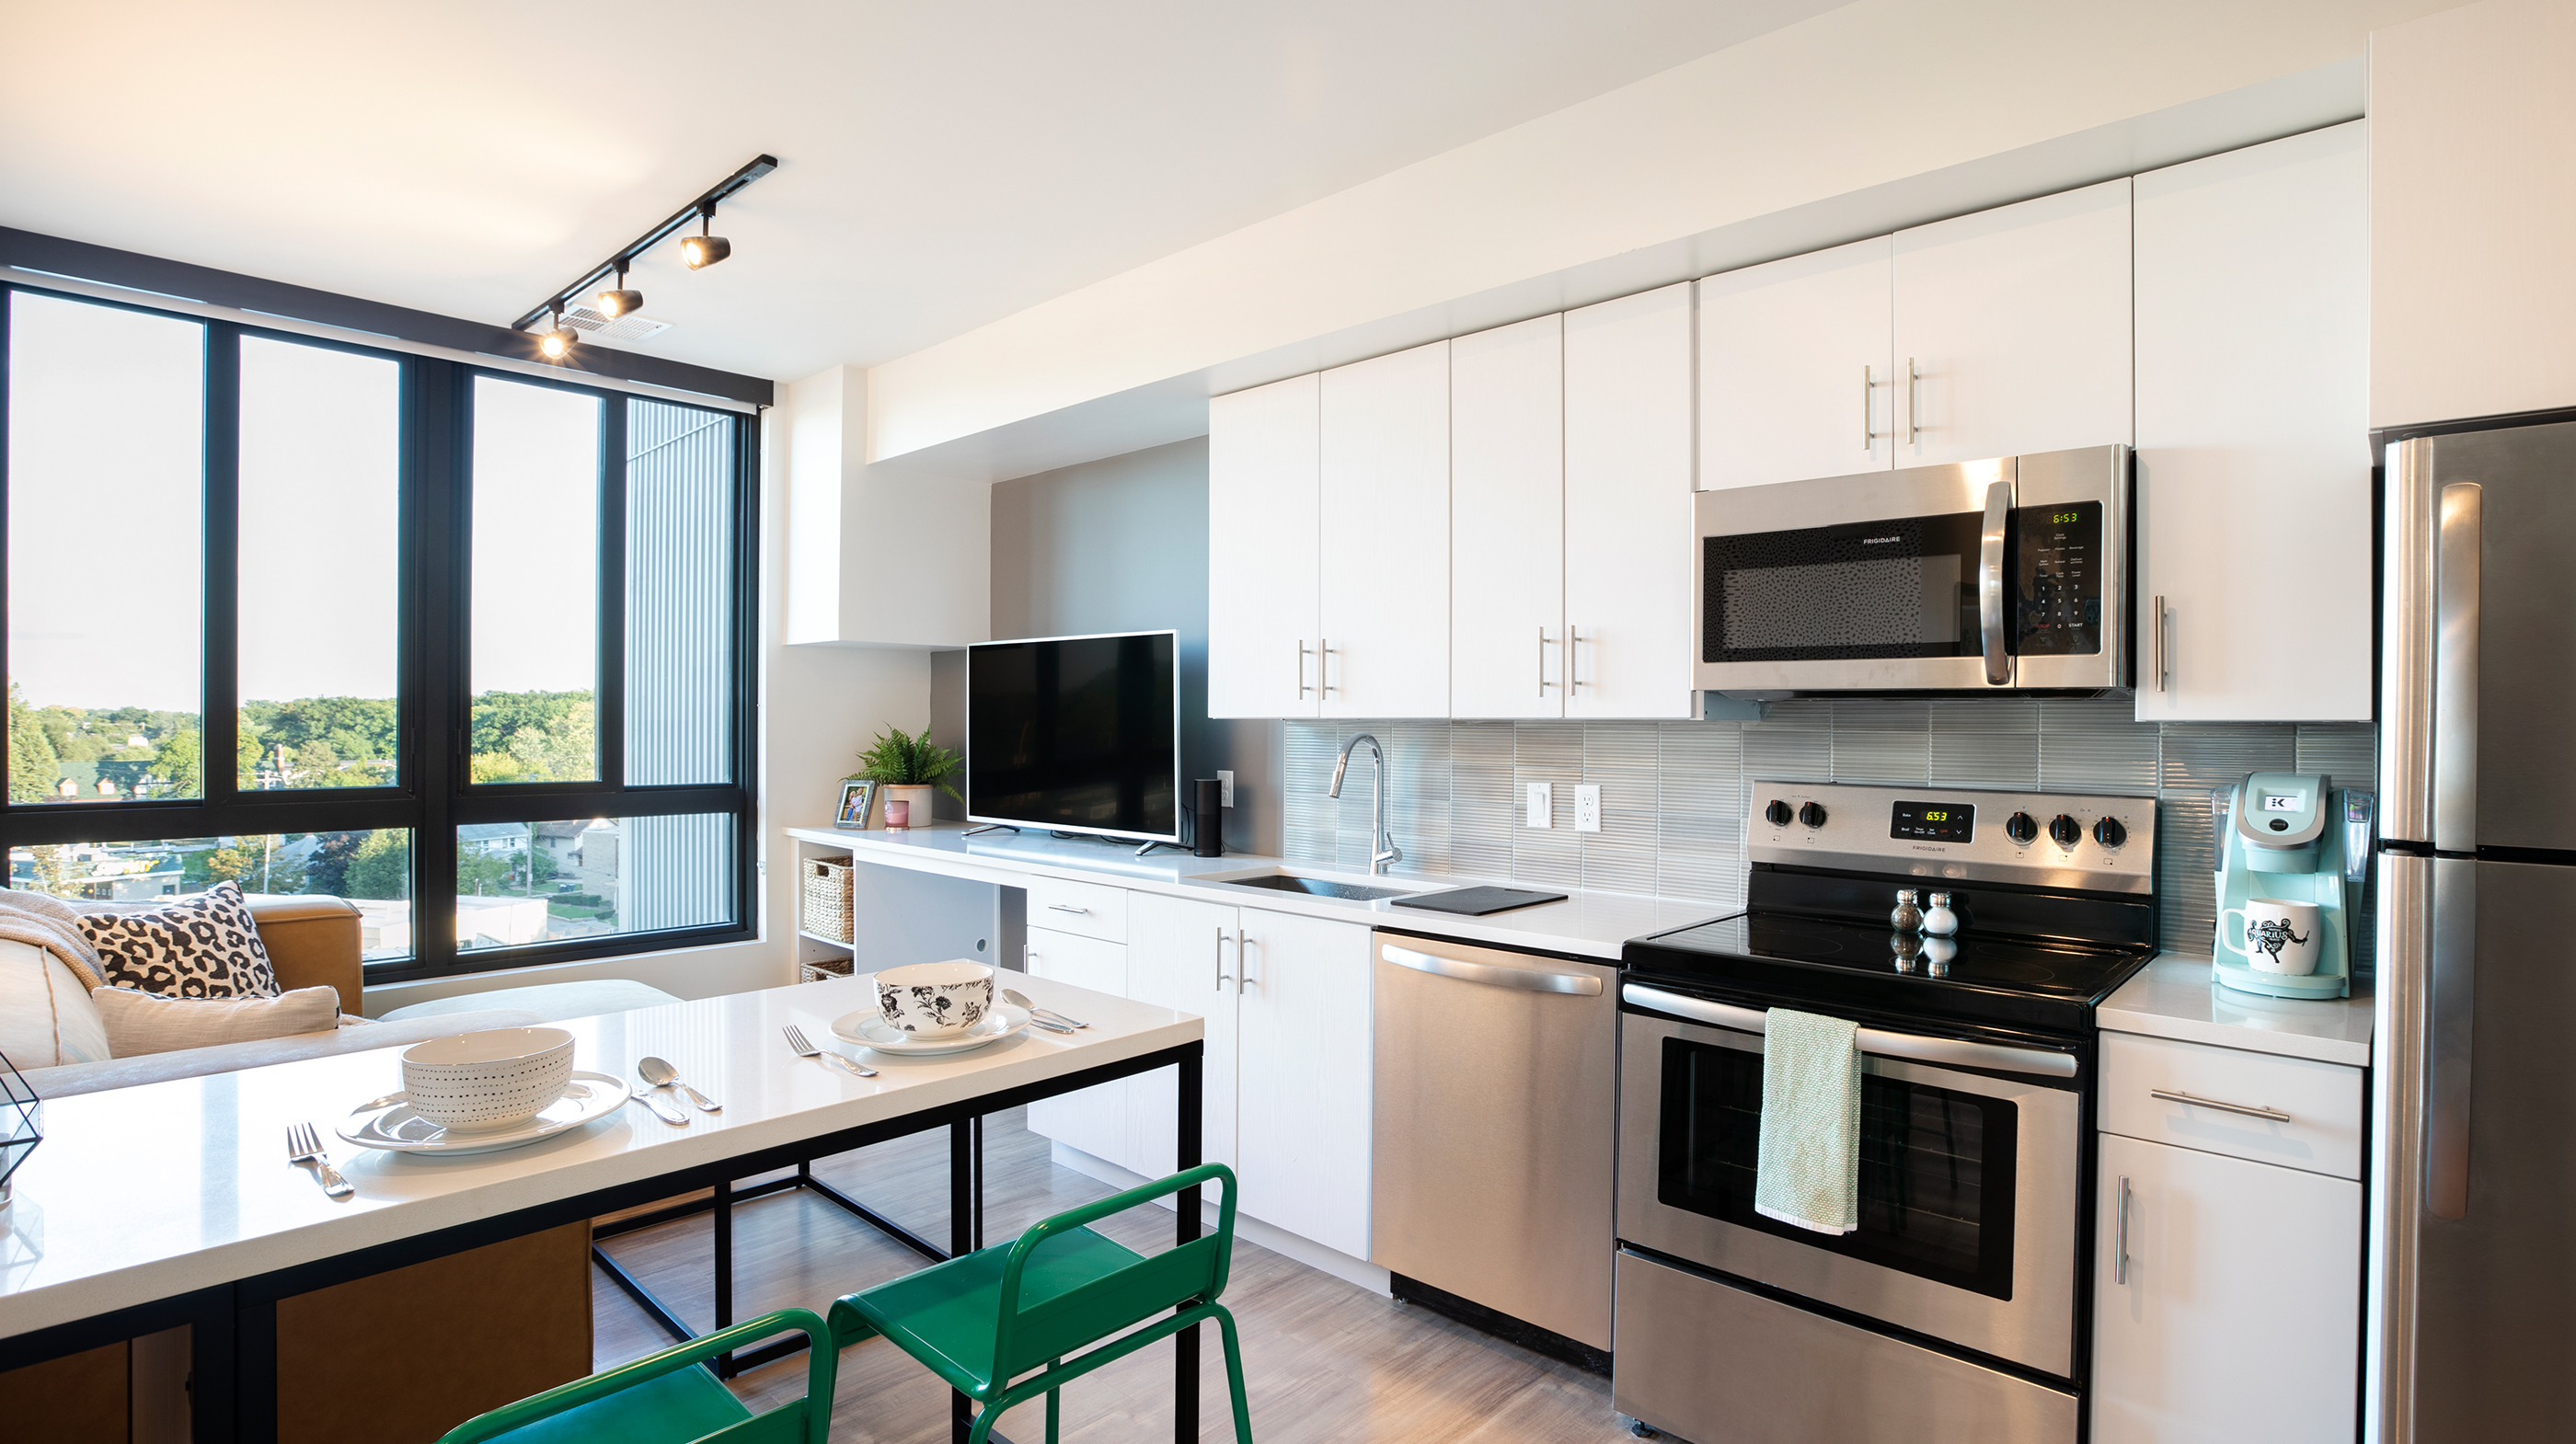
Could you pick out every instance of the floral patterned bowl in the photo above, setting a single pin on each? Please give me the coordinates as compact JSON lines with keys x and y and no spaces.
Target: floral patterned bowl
{"x":935,"y":1000}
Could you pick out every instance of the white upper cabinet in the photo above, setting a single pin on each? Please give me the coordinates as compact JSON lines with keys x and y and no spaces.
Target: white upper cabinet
{"x":2472,"y":219}
{"x":1627,"y":515}
{"x":2012,"y":329}
{"x":1795,"y":379}
{"x":1265,"y":521}
{"x":1385,"y":537}
{"x":1507,"y":521}
{"x":2254,"y":493}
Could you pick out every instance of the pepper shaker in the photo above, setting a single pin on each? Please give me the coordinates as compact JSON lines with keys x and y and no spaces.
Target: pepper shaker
{"x":1940,"y":922}
{"x":1907,"y":918}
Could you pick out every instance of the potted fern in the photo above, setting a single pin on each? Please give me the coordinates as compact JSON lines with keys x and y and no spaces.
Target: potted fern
{"x":910,"y":768}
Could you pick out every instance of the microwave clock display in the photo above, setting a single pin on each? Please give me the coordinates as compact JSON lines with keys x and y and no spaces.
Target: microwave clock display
{"x":1934,"y":821}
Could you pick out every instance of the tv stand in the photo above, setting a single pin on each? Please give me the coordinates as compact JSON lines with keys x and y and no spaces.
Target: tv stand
{"x":992,"y":827}
{"x":1149,"y":847}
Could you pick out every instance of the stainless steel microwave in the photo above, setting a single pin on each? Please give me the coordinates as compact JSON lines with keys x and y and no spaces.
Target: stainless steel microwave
{"x":1981,"y":577}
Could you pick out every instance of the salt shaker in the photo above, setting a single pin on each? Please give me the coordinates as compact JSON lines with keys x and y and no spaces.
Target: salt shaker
{"x":1908,"y":918}
{"x":1940,"y":922}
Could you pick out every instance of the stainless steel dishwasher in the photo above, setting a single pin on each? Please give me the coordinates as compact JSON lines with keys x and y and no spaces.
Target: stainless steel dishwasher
{"x":1497,"y":1114}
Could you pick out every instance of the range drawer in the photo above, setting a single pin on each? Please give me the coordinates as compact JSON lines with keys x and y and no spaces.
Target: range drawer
{"x":2321,"y":1132}
{"x":1078,"y":907}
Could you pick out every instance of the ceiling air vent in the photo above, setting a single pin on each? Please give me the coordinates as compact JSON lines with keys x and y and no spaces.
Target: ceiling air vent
{"x":624,"y":328}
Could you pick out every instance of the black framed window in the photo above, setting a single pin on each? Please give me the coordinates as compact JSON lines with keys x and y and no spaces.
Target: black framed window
{"x":479,"y":644}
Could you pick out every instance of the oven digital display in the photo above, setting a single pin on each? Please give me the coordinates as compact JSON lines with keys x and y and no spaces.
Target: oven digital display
{"x":2280,"y":802}
{"x":1934,"y":821}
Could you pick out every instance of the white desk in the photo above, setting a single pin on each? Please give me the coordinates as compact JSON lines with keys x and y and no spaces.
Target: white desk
{"x":173,"y":1202}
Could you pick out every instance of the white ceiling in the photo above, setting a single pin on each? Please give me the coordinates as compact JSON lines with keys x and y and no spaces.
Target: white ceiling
{"x":941,"y":165}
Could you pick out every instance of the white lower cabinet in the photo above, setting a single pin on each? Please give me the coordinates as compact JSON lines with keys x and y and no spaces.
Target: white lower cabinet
{"x":1287,"y":1002}
{"x":2235,"y":1313}
{"x":1095,"y":1119}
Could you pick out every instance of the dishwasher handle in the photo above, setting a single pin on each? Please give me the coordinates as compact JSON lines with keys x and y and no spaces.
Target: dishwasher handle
{"x":1914,"y":1047}
{"x":1528,"y":980}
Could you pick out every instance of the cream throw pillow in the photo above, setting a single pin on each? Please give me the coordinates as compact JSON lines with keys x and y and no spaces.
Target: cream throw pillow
{"x":46,"y":1016}
{"x":139,"y":1023}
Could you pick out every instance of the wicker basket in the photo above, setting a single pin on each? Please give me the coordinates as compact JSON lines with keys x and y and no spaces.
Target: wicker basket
{"x":827,"y":898}
{"x":824,"y":970}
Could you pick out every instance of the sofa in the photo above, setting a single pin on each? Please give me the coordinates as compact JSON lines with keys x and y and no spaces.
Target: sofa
{"x":459,"y":1356}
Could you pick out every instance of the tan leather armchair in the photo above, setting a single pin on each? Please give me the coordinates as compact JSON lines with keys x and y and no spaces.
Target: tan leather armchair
{"x":313,"y":942}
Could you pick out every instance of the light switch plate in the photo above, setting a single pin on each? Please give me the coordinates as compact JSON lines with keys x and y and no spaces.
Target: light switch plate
{"x":1225,"y":787}
{"x":1587,"y":807}
{"x":1541,"y":812}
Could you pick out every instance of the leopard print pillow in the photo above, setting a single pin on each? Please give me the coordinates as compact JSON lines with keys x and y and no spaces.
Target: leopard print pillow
{"x":205,"y":946}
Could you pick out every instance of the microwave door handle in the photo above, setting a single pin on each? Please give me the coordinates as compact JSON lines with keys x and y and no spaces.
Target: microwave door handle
{"x":1990,"y":583}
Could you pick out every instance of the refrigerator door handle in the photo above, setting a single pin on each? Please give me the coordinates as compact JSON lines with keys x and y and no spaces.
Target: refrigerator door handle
{"x":2451,"y":996}
{"x":2455,"y":670}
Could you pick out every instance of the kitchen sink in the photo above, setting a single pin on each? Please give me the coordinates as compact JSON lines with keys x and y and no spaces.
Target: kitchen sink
{"x":1320,"y":887}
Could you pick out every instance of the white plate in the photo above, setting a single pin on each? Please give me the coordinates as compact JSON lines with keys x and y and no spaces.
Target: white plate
{"x":870,"y":1030}
{"x":391,"y":1124}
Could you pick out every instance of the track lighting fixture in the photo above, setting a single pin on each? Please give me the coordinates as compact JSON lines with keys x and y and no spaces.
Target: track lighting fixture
{"x":699,"y":251}
{"x":620,"y":302}
{"x":703,"y":250}
{"x":556,"y":344}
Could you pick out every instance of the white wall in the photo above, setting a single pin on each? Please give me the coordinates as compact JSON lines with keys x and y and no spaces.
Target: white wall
{"x":876,"y":559}
{"x":818,"y":706}
{"x":1861,"y":98}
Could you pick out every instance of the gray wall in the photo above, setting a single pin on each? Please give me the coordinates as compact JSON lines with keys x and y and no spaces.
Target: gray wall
{"x":1674,"y":795}
{"x":1121,"y":546}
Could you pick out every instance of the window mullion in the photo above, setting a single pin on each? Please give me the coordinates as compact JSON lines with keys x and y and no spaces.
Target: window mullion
{"x":219,"y":730}
{"x":611,"y":706}
{"x":437,"y":706}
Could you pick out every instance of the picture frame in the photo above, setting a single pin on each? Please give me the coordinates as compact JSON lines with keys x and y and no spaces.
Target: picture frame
{"x":858,"y":799}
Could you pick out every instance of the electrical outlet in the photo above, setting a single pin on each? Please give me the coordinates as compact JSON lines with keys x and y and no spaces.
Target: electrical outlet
{"x":1540,"y":805}
{"x":1587,"y":807}
{"x":1225,"y":787}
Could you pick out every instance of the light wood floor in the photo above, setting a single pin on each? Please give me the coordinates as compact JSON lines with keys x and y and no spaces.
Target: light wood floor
{"x":1323,"y":1360}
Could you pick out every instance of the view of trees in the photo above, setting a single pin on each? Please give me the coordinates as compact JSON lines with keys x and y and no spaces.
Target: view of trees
{"x":306,"y":743}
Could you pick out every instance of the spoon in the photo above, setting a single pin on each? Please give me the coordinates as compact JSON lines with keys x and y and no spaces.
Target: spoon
{"x":1061,"y":1023}
{"x":663,"y":1075}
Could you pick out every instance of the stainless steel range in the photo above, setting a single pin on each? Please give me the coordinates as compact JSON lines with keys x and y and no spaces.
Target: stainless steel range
{"x":1953,"y":1311}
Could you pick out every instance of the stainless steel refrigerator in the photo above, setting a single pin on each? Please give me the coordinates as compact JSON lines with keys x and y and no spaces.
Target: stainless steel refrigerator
{"x":2473,"y":1237}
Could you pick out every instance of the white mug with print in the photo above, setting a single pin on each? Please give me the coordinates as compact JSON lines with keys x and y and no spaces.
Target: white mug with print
{"x":2273,"y":936}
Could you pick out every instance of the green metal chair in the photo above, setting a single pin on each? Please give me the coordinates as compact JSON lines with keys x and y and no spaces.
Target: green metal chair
{"x":666,"y":1398}
{"x":984,"y":1319}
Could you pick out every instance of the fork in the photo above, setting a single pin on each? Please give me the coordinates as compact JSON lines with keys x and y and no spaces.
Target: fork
{"x":304,"y":1146}
{"x":796,"y":1044}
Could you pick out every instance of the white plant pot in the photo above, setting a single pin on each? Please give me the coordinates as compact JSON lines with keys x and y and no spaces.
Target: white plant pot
{"x":917,"y":797}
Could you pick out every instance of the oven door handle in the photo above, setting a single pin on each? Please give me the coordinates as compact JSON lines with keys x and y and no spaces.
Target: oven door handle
{"x":1913,"y":1047}
{"x":1990,"y":582}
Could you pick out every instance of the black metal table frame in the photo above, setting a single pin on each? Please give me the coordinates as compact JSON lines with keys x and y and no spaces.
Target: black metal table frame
{"x":233,"y":1326}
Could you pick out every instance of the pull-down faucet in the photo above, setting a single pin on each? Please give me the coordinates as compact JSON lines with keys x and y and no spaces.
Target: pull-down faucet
{"x":1382,"y":848}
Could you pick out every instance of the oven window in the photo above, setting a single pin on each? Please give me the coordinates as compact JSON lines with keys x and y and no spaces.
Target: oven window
{"x":1936,"y":1167}
{"x":1864,"y":590}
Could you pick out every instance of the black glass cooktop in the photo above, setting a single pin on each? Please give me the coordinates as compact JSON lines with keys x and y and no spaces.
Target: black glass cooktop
{"x":1982,"y":976}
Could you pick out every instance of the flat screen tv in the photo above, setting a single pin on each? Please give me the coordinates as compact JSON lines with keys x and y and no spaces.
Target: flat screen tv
{"x":1076,"y":734}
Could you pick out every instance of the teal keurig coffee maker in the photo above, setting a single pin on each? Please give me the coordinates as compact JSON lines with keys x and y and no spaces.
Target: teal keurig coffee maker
{"x":2292,"y":852}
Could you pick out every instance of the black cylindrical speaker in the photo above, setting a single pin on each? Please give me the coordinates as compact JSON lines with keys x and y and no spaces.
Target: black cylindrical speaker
{"x":1207,"y":835}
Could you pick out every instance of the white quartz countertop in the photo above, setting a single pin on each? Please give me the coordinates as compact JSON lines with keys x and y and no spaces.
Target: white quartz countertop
{"x":1586,"y":924}
{"x":144,"y":1193}
{"x":2175,"y":997}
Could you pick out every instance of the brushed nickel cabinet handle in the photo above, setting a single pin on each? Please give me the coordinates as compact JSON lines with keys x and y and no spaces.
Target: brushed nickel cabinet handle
{"x":2249,"y":1110}
{"x":2120,"y":1236}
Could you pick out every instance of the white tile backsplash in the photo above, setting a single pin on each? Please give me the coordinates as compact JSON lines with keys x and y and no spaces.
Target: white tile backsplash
{"x":1674,"y":795}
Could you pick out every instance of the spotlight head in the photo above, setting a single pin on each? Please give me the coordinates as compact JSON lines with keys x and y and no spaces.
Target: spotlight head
{"x":556,"y":344}
{"x":704,"y":251}
{"x":614,"y":304}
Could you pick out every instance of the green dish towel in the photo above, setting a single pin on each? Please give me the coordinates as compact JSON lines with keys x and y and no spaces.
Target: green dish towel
{"x":1808,"y":1172}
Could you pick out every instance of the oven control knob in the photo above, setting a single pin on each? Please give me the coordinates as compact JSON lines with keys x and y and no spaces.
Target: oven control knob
{"x":2109,"y":832}
{"x":1812,"y":815}
{"x":2065,"y":831}
{"x":2021,"y":829}
{"x":1778,"y":813}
